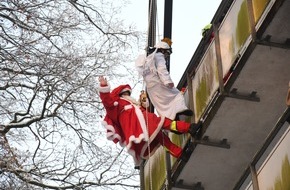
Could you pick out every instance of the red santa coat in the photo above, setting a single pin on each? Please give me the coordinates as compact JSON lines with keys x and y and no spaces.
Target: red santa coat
{"x":128,"y":125}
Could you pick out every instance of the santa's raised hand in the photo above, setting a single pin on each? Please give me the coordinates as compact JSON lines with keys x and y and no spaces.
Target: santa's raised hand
{"x":103,"y":81}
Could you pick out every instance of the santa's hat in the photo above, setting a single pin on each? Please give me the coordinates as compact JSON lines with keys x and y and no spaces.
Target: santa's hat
{"x":120,"y":89}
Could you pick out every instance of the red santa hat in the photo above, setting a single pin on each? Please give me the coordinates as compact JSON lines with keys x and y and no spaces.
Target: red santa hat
{"x":120,"y":89}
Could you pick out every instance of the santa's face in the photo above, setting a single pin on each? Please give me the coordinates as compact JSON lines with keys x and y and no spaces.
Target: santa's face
{"x":126,"y":93}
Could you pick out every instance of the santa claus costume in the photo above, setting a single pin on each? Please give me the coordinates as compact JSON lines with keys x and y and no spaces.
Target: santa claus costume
{"x":136,"y":129}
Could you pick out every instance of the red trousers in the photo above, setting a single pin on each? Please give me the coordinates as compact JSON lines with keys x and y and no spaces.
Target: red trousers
{"x":176,"y":126}
{"x":179,"y":126}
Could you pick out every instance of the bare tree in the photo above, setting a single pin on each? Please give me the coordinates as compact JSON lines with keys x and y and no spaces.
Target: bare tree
{"x":50,"y":132}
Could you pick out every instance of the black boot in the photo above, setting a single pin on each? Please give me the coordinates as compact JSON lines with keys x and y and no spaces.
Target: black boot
{"x":194,"y":127}
{"x":176,"y":132}
{"x":187,"y":112}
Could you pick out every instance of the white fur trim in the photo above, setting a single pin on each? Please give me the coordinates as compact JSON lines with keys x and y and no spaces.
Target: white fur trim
{"x":116,"y":103}
{"x":153,"y":135}
{"x":128,"y":107}
{"x":104,"y":89}
{"x":142,"y":122}
{"x":111,"y":134}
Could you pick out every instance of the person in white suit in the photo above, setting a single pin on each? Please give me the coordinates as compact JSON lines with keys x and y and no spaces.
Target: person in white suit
{"x":165,"y":97}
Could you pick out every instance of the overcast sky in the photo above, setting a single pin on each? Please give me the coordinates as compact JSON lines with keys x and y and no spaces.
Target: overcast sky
{"x":188,"y":19}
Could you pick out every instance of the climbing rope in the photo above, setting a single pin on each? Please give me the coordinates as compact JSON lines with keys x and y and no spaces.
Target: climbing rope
{"x":151,"y":24}
{"x":147,"y":47}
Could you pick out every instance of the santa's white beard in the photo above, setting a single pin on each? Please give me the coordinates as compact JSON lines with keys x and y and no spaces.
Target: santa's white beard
{"x":130,"y":99}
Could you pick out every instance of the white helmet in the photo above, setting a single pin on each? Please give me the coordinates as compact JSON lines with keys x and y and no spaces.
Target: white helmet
{"x":162,"y":45}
